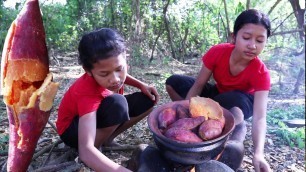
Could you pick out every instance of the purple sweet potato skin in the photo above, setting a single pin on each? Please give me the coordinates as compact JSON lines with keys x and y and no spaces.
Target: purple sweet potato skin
{"x":183,"y":135}
{"x":182,"y":112}
{"x":210,"y":129}
{"x":188,"y":123}
{"x":166,"y":117}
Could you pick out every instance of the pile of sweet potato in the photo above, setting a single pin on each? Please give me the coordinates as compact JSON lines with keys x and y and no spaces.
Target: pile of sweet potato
{"x":203,"y":120}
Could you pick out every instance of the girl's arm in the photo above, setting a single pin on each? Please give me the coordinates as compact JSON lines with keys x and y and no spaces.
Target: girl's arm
{"x":88,"y":153}
{"x":259,"y":128}
{"x":148,"y":90}
{"x":201,"y":80}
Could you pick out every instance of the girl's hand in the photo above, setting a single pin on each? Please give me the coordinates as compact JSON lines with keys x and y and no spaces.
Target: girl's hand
{"x":151,"y":92}
{"x":260,"y":164}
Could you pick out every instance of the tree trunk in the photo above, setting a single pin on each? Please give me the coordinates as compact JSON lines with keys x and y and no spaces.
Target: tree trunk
{"x":299,"y":80}
{"x":137,"y":30}
{"x":227,"y":22}
{"x":299,"y":15}
{"x":248,"y":4}
{"x":166,"y":21}
{"x":160,"y":32}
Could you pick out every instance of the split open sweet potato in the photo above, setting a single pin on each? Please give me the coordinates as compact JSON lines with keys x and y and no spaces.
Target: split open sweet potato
{"x":26,"y":85}
{"x":201,"y":106}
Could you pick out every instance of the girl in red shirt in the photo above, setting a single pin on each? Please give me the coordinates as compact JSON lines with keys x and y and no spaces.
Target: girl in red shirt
{"x":242,"y":84}
{"x":94,"y":110}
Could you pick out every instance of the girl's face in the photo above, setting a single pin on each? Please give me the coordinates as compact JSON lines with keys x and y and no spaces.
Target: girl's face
{"x":250,"y":41}
{"x":110,"y":73}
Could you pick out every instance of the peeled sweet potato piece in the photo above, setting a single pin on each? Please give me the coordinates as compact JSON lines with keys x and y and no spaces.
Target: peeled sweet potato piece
{"x":166,"y":117}
{"x":210,"y":129}
{"x":26,"y":85}
{"x":201,"y":106}
{"x":182,"y":112}
{"x":183,"y":135}
{"x":188,"y":123}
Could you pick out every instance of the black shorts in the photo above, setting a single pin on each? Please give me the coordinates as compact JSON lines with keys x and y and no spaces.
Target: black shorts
{"x":182,"y":84}
{"x":113,"y":110}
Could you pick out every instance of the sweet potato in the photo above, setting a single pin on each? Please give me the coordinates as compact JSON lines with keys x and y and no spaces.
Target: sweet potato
{"x":26,"y":85}
{"x":188,"y":123}
{"x":183,"y":135}
{"x":210,"y":129}
{"x":200,"y":106}
{"x":166,"y":117}
{"x":182,"y":112}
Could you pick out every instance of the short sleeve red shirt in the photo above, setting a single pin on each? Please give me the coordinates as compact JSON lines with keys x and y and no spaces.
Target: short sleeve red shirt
{"x":255,"y":77}
{"x":84,"y":96}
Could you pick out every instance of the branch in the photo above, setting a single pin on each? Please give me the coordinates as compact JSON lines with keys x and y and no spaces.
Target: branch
{"x":272,"y":8}
{"x":71,"y":165}
{"x":46,"y":149}
{"x":52,"y":125}
{"x":287,"y":32}
{"x":281,"y":23}
{"x":119,"y":148}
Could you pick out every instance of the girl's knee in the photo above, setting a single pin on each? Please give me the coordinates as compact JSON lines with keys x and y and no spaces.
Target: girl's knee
{"x":238,"y":114}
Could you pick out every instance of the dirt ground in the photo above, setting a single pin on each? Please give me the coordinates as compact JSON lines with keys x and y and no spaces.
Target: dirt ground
{"x":281,"y":157}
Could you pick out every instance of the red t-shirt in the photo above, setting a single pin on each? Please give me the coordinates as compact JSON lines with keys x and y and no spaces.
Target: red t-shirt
{"x":255,"y":77}
{"x":83,"y":96}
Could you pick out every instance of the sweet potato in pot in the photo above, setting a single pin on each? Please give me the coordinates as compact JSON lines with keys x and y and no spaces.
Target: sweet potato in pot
{"x":26,"y":85}
{"x":182,"y":112}
{"x":188,"y":123}
{"x":166,"y":117}
{"x":183,"y":135}
{"x":210,"y":129}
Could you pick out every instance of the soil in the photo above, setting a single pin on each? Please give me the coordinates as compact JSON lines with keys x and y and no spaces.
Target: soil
{"x":280,"y":156}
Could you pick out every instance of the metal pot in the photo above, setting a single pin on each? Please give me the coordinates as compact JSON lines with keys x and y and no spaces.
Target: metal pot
{"x":188,"y":153}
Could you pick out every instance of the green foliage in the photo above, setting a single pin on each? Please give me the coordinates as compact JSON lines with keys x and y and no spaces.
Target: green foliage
{"x":290,"y":136}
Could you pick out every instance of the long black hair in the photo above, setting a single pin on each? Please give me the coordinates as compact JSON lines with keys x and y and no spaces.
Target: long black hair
{"x":252,"y":16}
{"x":98,"y":45}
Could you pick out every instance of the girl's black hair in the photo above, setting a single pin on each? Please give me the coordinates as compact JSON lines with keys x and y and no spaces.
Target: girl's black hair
{"x":98,"y":45}
{"x":252,"y":16}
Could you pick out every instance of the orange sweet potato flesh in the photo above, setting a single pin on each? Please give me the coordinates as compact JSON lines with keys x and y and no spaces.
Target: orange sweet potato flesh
{"x":182,"y":135}
{"x":26,"y":85}
{"x":200,"y":106}
{"x":166,"y":117}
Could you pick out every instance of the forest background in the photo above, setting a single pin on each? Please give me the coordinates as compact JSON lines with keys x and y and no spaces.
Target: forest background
{"x":161,"y":33}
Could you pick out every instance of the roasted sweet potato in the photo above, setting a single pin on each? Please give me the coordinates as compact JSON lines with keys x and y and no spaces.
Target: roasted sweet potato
{"x":26,"y":85}
{"x":201,"y":106}
{"x":188,"y":123}
{"x":182,"y":111}
{"x":210,"y":129}
{"x":166,"y":117}
{"x":183,"y":135}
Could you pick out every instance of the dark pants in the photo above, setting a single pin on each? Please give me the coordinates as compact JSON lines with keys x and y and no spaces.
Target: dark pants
{"x":113,"y":110}
{"x":182,"y":84}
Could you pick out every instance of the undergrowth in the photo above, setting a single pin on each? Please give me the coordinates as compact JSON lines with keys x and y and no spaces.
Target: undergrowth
{"x":291,"y":136}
